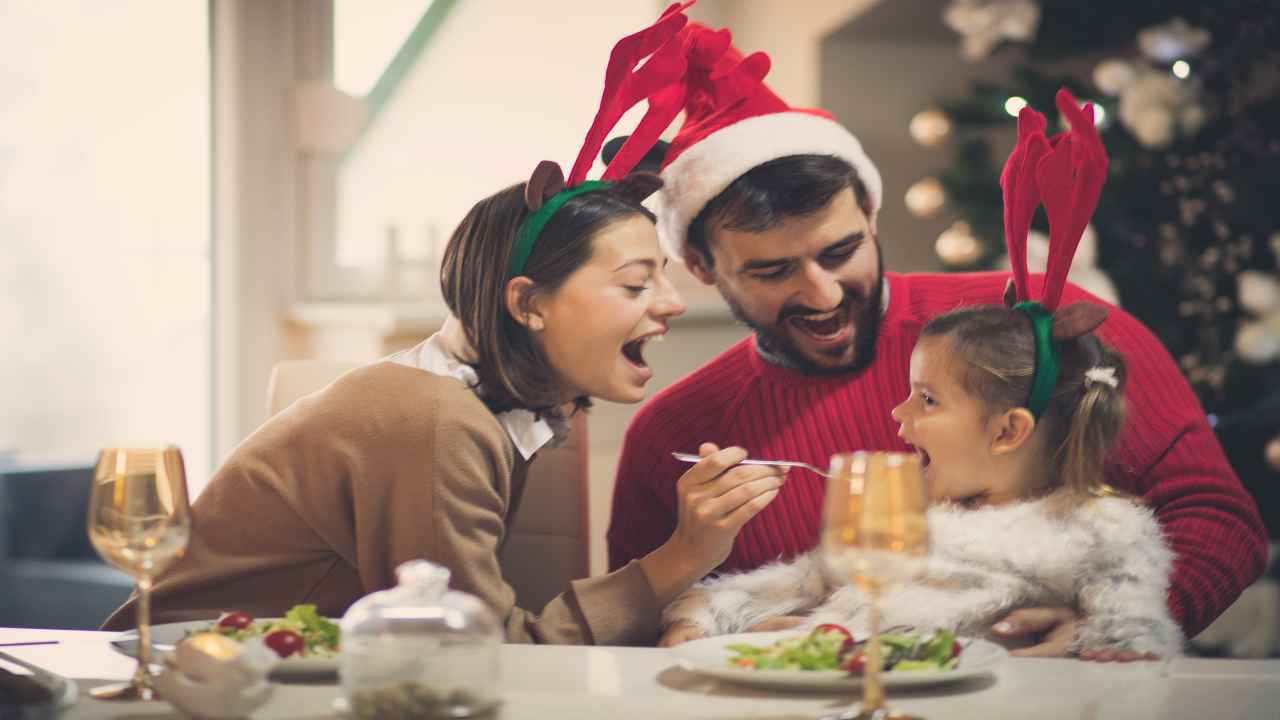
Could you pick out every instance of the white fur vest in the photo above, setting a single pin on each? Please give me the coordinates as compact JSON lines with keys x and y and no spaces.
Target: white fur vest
{"x":1107,"y":558}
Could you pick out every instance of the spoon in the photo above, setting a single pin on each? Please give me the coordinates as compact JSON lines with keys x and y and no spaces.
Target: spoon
{"x":691,"y":458}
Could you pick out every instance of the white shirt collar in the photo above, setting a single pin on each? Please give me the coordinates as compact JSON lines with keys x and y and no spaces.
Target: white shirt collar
{"x":528,"y":432}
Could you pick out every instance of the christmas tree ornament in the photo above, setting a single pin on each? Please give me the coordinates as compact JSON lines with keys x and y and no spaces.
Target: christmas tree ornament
{"x":1272,"y":453}
{"x":1173,"y":40}
{"x":1112,"y":76}
{"x":1259,"y":292}
{"x":930,"y":127}
{"x":957,"y":246}
{"x":983,"y":24}
{"x":1258,"y":341}
{"x":925,"y":197}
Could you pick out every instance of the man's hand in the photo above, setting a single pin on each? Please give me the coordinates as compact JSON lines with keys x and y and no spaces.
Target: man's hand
{"x":680,"y":632}
{"x":1055,"y":627}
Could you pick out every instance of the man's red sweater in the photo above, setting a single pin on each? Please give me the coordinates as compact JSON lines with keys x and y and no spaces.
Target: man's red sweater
{"x":1167,"y":454}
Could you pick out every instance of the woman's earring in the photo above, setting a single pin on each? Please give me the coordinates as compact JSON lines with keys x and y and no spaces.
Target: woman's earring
{"x":535,"y":322}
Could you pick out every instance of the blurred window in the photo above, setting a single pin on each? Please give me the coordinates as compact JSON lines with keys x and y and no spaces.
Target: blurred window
{"x":105,"y":280}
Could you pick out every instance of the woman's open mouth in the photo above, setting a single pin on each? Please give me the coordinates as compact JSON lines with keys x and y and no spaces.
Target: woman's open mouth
{"x":633,"y":353}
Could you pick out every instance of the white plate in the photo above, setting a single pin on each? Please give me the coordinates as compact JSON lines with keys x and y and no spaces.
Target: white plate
{"x":710,"y":656}
{"x":165,"y":637}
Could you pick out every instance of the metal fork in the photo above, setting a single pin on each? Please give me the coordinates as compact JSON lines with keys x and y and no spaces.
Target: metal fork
{"x":691,"y":458}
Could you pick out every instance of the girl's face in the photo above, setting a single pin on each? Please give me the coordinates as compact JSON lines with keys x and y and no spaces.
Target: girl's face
{"x":961,"y":449}
{"x":594,"y":327}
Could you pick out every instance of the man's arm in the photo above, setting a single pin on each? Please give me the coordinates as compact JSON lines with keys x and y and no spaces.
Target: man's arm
{"x":639,"y":521}
{"x":1169,"y":456}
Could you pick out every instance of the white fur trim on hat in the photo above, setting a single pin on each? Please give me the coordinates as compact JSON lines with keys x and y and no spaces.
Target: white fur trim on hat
{"x":706,"y":168}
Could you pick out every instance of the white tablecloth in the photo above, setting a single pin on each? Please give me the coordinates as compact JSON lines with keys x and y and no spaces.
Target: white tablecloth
{"x":554,"y":683}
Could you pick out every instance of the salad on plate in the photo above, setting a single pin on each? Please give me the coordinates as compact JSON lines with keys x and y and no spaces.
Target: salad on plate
{"x":832,"y":647}
{"x":302,"y":632}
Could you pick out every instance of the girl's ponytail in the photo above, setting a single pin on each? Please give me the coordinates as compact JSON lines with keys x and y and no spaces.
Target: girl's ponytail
{"x":1094,"y":410}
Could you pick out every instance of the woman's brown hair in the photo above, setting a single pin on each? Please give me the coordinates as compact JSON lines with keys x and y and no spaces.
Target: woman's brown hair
{"x":513,"y":370}
{"x":1082,"y":418}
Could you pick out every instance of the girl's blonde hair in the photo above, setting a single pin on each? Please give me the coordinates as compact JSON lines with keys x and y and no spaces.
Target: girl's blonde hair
{"x":1084,"y":415}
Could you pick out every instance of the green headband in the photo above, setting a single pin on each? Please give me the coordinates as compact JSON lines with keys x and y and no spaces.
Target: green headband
{"x":532,"y":226}
{"x":1046,"y":377}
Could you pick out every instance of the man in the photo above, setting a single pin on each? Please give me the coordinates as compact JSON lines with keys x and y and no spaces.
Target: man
{"x":777,"y":208}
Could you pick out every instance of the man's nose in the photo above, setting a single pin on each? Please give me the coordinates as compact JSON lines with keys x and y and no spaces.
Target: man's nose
{"x":821,"y":289}
{"x":666,"y":300}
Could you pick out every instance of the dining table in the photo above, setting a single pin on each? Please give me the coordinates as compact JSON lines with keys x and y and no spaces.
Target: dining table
{"x":617,"y":683}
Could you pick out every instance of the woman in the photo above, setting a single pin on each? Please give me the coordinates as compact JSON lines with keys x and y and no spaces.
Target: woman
{"x":423,"y":454}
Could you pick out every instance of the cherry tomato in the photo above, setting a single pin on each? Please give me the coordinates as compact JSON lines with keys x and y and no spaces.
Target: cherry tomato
{"x":955,"y":648}
{"x":856,"y":663}
{"x":833,"y":628}
{"x":284,"y":642}
{"x":235,"y":620}
{"x":747,"y":663}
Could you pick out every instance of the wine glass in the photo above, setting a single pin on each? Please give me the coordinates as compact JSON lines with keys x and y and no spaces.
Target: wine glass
{"x":139,"y":522}
{"x":875,"y":533}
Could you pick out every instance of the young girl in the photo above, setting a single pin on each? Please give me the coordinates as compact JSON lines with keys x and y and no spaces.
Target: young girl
{"x":556,"y":287}
{"x":1012,"y":411}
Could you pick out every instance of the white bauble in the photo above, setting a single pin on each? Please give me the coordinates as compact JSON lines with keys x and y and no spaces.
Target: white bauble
{"x":1258,"y":341}
{"x":1259,"y":292}
{"x":930,"y":127}
{"x":1173,"y":40}
{"x":1153,"y":127}
{"x":925,"y":197}
{"x":957,"y":245}
{"x":1113,"y":76}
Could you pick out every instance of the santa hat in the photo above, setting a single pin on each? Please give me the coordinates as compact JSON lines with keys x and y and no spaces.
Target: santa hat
{"x":734,"y":122}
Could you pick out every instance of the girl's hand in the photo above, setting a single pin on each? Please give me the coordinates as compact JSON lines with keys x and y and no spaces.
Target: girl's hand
{"x":716,"y":497}
{"x":681,"y":632}
{"x":1055,"y":627}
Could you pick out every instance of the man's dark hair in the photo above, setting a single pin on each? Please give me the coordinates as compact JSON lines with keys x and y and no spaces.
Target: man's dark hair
{"x":767,"y":194}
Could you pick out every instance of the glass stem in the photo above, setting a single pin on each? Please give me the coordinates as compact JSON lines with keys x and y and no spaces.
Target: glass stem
{"x":142,"y":676}
{"x":872,"y":691}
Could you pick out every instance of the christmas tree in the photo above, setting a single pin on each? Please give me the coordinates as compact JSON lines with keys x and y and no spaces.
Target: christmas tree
{"x":1189,"y":102}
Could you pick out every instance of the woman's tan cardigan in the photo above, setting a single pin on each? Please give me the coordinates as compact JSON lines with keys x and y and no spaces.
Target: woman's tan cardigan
{"x":389,"y":463}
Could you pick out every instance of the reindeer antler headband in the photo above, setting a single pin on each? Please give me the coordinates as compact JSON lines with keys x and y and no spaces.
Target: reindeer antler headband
{"x":660,"y":81}
{"x":1066,"y":173}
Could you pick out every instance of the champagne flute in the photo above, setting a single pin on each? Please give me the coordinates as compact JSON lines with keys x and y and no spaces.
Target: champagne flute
{"x":876,"y":534}
{"x":139,"y":522}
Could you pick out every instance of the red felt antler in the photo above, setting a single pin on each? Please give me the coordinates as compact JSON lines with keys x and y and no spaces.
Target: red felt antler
{"x":1021,"y":194}
{"x":1070,"y":178}
{"x":659,"y":81}
{"x":1066,"y":173}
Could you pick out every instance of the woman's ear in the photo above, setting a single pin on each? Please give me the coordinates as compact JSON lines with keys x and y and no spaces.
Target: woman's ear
{"x":1011,"y":430}
{"x":522,"y":303}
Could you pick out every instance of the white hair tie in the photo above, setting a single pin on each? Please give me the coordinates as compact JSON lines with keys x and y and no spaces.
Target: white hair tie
{"x":1105,"y":375}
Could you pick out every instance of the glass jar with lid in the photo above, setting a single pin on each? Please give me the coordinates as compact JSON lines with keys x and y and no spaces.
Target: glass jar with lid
{"x":420,"y":650}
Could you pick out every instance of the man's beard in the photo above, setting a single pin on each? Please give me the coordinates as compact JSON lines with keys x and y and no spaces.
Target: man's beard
{"x":866,"y":331}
